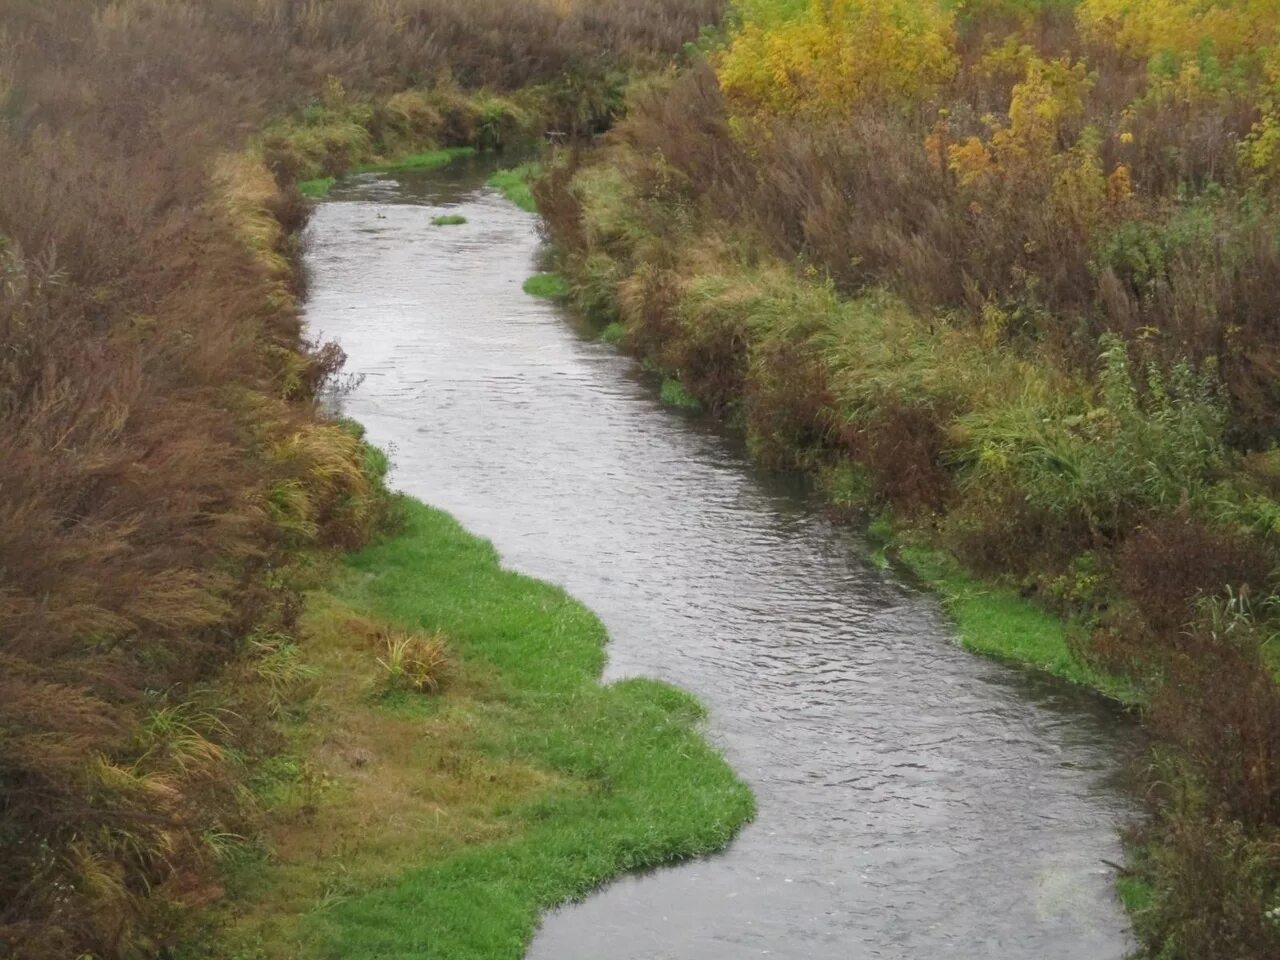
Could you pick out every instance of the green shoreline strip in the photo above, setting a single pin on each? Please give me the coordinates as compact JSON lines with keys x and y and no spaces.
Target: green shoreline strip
{"x":515,"y":185}
{"x":548,"y":286}
{"x":318,"y":188}
{"x":426,"y":160}
{"x":634,"y":782}
{"x":997,"y":622}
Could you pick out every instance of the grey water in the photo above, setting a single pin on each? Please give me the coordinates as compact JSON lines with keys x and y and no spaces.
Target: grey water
{"x":916,"y":802}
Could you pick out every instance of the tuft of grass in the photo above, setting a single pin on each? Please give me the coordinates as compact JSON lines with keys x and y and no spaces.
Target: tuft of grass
{"x":674,"y":394}
{"x":613,"y":333}
{"x":550,"y":286}
{"x":449,"y":220}
{"x":318,"y":188}
{"x":415,"y":662}
{"x":446,"y":825}
{"x":424,"y":160}
{"x":515,"y":185}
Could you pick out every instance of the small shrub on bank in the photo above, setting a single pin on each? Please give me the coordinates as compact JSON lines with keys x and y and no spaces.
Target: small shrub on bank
{"x":1132,"y":450}
{"x":1171,"y":563}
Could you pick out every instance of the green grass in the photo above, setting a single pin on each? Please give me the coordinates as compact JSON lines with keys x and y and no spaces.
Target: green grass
{"x":449,"y":220}
{"x":613,"y":333}
{"x":550,"y":286}
{"x":998,"y":622}
{"x":525,"y":785}
{"x":674,"y":394}
{"x":514,"y":184}
{"x":426,"y":160}
{"x":317,"y":188}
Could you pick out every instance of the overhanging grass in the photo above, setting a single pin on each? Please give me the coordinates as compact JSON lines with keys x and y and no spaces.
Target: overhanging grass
{"x":317,"y":188}
{"x":998,"y":622}
{"x":674,"y":394}
{"x":425,"y":160}
{"x":550,"y":286}
{"x":525,"y":784}
{"x":514,"y":184}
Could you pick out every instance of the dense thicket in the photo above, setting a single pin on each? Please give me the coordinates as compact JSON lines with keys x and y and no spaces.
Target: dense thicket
{"x":160,"y":456}
{"x":1009,"y":269}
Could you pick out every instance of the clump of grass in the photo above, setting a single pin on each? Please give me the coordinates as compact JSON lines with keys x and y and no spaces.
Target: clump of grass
{"x":674,"y":394}
{"x":550,"y":286}
{"x":613,"y":333}
{"x":280,"y":666}
{"x":423,"y":160}
{"x":415,"y":662}
{"x":515,"y":185}
{"x":448,"y":220}
{"x":316,"y":188}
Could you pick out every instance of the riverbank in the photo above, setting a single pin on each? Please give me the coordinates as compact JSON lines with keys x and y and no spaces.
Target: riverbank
{"x":165,"y":464}
{"x":442,"y":823}
{"x":1091,"y":518}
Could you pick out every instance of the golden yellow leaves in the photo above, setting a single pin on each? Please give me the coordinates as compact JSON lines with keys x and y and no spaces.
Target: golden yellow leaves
{"x":823,"y":56}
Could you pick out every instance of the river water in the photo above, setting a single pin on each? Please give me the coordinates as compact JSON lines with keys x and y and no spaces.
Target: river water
{"x":916,"y":802}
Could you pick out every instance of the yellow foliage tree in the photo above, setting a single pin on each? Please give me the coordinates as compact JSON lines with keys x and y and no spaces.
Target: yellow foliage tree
{"x":823,"y":56}
{"x":1028,"y":154}
{"x":1145,"y":28}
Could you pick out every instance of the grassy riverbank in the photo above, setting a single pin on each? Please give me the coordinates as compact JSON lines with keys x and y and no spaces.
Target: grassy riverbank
{"x":442,"y":824}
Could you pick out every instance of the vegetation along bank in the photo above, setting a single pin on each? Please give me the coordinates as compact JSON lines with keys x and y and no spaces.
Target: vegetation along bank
{"x":1000,"y":274}
{"x":1002,"y":277}
{"x":171,"y":494}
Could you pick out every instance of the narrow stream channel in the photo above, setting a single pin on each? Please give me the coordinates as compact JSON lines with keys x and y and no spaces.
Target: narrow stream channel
{"x":916,"y":802}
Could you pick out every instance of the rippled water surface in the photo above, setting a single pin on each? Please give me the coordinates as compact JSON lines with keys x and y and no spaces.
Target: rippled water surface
{"x":915,"y":801}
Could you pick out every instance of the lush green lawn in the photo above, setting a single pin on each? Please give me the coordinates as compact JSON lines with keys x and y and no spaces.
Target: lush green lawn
{"x":525,"y":784}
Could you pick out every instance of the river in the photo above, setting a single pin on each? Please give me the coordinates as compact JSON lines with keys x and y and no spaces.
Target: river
{"x":916,"y":802}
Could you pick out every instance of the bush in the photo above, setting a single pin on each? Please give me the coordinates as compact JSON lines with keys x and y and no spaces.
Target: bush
{"x":1130,"y":451}
{"x":1172,"y":563}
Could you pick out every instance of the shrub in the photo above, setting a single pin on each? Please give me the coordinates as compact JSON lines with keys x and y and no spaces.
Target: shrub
{"x":816,"y":56}
{"x":1172,"y":563}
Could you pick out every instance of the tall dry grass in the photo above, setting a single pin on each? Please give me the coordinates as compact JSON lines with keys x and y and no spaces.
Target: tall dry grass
{"x":161,"y":459}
